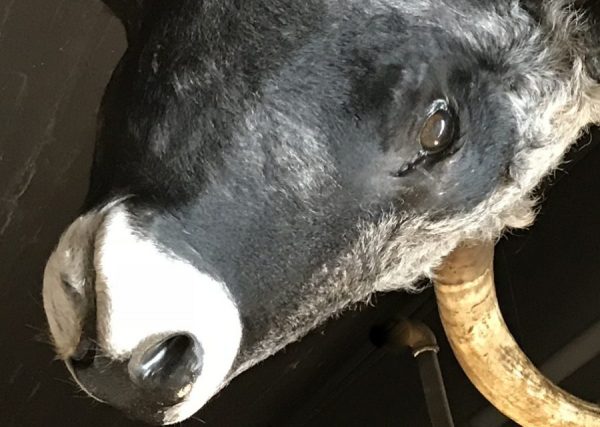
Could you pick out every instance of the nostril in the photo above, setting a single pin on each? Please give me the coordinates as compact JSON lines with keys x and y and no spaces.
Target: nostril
{"x":169,"y":366}
{"x":84,"y":354}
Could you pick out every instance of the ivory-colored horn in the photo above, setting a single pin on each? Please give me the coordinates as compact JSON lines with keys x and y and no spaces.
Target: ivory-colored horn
{"x":487,"y":352}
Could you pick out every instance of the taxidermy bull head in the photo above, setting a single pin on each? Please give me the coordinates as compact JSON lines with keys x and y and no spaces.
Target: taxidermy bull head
{"x":260,"y":165}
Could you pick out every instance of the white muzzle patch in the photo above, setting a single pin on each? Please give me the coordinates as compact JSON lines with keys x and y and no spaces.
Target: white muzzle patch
{"x":142,"y":292}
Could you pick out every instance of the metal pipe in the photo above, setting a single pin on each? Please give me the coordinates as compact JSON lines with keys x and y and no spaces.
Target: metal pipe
{"x":434,"y":389}
{"x":423,"y":344}
{"x":487,"y":352}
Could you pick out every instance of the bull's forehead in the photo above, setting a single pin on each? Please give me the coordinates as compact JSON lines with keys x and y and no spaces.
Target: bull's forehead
{"x":196,"y":117}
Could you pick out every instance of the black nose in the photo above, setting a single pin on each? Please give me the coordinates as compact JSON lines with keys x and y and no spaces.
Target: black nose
{"x":167,"y":368}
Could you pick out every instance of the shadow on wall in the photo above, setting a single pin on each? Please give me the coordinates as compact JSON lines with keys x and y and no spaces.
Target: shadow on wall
{"x":55,"y":60}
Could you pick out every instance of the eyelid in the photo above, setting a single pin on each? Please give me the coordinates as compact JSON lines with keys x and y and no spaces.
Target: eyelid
{"x":437,"y":105}
{"x":412,"y":164}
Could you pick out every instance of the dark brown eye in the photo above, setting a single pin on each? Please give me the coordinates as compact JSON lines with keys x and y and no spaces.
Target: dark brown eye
{"x":439,"y":130}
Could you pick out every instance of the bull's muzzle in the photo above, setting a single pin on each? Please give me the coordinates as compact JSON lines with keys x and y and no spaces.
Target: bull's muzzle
{"x":487,"y":352}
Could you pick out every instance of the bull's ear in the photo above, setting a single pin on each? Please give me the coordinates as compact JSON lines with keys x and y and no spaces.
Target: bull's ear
{"x":130,"y":12}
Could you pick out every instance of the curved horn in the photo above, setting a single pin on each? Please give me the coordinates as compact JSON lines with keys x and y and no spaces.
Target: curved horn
{"x":487,"y":352}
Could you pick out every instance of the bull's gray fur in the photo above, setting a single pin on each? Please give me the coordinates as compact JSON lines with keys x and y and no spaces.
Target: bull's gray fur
{"x":555,"y":99}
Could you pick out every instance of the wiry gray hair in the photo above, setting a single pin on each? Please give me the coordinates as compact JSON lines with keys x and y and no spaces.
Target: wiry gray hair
{"x":554,"y":99}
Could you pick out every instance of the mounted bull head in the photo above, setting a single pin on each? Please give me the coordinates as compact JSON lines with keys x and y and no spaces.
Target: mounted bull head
{"x":262,"y":165}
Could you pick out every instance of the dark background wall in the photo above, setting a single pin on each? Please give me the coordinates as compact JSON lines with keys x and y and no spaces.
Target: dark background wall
{"x":55,"y":58}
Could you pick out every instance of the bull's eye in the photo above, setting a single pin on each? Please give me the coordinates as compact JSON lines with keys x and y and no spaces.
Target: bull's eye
{"x":439,"y":129}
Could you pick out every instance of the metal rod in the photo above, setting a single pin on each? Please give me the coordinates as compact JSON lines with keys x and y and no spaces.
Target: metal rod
{"x":423,"y":344}
{"x":434,"y":389}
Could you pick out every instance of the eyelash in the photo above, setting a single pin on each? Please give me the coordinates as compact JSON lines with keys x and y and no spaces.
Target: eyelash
{"x":418,"y":159}
{"x":422,"y":156}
